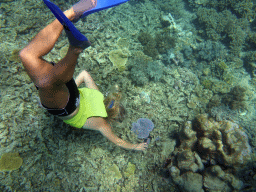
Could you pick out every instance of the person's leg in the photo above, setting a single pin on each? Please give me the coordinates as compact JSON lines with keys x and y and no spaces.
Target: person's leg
{"x":45,"y":40}
{"x":31,"y":56}
{"x":50,"y":79}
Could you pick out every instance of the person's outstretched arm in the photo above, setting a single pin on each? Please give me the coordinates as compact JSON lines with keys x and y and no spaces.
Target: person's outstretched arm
{"x":100,"y":124}
{"x":107,"y":132}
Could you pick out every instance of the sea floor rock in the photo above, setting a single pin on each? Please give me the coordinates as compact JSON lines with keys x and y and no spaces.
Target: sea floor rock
{"x":193,"y":182}
{"x":210,"y":155}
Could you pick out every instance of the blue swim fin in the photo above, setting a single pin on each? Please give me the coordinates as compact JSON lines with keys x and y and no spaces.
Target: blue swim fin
{"x":75,"y":38}
{"x":103,"y":4}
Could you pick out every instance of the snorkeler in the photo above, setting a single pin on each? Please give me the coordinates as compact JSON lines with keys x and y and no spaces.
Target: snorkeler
{"x":58,"y":92}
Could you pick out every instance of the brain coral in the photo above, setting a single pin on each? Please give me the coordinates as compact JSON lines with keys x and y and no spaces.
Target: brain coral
{"x":214,"y":149}
{"x":229,"y":142}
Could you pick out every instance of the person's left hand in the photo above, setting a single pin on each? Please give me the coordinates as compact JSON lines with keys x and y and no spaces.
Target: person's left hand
{"x":141,"y":146}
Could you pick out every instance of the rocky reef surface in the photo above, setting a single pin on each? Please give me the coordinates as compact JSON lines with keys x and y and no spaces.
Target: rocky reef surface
{"x":210,"y":156}
{"x":172,"y":62}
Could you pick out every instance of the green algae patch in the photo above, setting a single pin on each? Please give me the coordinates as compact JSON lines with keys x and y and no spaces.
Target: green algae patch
{"x":119,"y":58}
{"x":130,"y":169}
{"x":117,"y":174}
{"x":10,"y":162}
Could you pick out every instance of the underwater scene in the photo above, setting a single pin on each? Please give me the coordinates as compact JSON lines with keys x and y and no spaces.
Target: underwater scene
{"x":186,"y":70}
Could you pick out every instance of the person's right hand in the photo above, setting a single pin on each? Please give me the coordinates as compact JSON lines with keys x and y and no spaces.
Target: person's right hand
{"x":141,"y":146}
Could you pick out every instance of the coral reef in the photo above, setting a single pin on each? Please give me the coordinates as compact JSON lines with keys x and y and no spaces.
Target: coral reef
{"x":142,"y":128}
{"x":235,"y":99}
{"x":222,"y":112}
{"x":119,"y":58}
{"x":59,"y":158}
{"x":230,"y":104}
{"x":63,"y":51}
{"x":145,"y":97}
{"x":116,"y":172}
{"x":219,"y":86}
{"x":144,"y":38}
{"x":159,"y":44}
{"x":149,"y":44}
{"x":130,"y":169}
{"x":123,"y":43}
{"x":154,"y":71}
{"x":218,"y":24}
{"x":242,"y":8}
{"x":164,"y":41}
{"x":210,"y":50}
{"x":142,"y":69}
{"x":209,"y":155}
{"x":138,"y":77}
{"x":174,"y":6}
{"x":187,"y":51}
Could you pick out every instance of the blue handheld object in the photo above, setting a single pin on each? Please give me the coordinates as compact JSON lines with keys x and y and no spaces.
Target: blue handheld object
{"x":75,"y":38}
{"x":112,"y":102}
{"x":103,"y":4}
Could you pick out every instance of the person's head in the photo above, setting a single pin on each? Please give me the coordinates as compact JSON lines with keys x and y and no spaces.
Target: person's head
{"x":113,"y":105}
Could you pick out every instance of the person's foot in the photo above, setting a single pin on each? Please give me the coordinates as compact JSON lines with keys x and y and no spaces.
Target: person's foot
{"x":79,"y":8}
{"x":76,"y":39}
{"x":83,"y":6}
{"x":70,"y":14}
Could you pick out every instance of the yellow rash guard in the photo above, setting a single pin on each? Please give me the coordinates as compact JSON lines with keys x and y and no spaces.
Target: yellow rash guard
{"x":91,"y":105}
